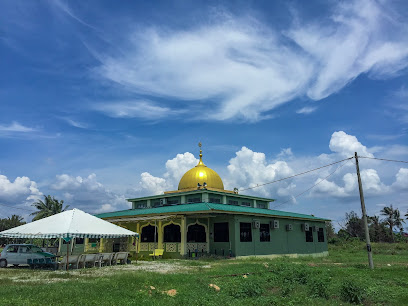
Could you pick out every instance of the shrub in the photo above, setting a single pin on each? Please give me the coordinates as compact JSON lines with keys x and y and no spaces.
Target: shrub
{"x":318,"y":287}
{"x":246,"y":287}
{"x":352,"y":292}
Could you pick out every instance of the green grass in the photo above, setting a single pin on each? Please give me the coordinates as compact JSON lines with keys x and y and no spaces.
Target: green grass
{"x":337,"y":279}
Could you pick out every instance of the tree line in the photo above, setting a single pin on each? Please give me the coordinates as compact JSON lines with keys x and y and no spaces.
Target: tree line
{"x":388,"y":227}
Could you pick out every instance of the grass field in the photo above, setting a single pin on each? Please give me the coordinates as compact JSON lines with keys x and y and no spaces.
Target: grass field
{"x":341,"y":278}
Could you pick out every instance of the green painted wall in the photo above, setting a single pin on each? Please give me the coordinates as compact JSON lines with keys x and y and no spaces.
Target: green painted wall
{"x":281,"y":240}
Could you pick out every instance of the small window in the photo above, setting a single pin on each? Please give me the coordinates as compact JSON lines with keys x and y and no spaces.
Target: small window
{"x":320,"y":235}
{"x":215,"y":200}
{"x":172,"y":202}
{"x":264,"y":234}
{"x":12,"y":249}
{"x":79,"y":240}
{"x":156,"y":204}
{"x":142,"y":205}
{"x":246,"y":203}
{"x":232,"y":202}
{"x":25,"y":249}
{"x":221,"y":232}
{"x":194,"y":200}
{"x":93,"y":240}
{"x":261,"y":206}
{"x":309,"y":235}
{"x":245,"y":232}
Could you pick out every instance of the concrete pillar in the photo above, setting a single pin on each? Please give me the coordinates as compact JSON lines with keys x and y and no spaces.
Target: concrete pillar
{"x":86,"y":242}
{"x":160,"y":235}
{"x":255,"y":204}
{"x":183,"y":248}
{"x":183,"y":199}
{"x":101,"y":245}
{"x":140,"y":234}
{"x":149,"y":203}
{"x":224,"y":199}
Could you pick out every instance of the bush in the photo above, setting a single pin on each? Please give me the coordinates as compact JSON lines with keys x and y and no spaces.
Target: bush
{"x":242,"y":288}
{"x":352,"y":292}
{"x":318,"y":287}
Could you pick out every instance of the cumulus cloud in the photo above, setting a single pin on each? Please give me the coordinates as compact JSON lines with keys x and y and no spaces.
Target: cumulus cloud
{"x":248,"y":168}
{"x":21,"y":189}
{"x":175,"y":167}
{"x":88,"y":194}
{"x":401,"y":181}
{"x":346,"y":145}
{"x":236,"y":64}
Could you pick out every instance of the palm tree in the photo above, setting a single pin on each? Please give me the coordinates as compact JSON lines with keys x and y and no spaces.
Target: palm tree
{"x":392,"y":218}
{"x":50,"y":206}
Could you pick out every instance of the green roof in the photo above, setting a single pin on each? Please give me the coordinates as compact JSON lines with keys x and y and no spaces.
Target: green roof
{"x":208,"y":208}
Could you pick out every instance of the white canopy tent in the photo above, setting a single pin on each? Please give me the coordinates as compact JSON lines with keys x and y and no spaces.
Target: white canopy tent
{"x":69,"y":224}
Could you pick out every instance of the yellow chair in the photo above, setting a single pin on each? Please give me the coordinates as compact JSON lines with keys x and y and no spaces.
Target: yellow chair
{"x":157,"y":253}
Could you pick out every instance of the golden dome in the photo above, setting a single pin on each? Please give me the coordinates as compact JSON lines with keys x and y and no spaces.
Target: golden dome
{"x":200,"y":174}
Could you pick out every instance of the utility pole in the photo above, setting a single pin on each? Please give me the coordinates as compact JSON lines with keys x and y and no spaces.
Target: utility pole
{"x":363,"y":209}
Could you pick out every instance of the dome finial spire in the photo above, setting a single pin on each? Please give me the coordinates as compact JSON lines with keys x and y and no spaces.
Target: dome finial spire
{"x":201,"y":155}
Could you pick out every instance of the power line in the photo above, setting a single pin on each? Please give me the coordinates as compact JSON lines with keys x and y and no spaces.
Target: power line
{"x":298,"y":195}
{"x":292,"y":176}
{"x":391,"y":160}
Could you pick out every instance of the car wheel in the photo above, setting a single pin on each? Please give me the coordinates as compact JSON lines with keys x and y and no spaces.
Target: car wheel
{"x":3,"y":263}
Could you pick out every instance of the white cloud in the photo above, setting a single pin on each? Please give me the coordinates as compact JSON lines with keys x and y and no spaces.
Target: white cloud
{"x":249,"y":168}
{"x":235,"y":65}
{"x":401,"y":181}
{"x":306,"y":110}
{"x":346,"y":145}
{"x":21,"y":190}
{"x":74,"y":123}
{"x":136,"y":109}
{"x":152,"y":184}
{"x":175,"y":167}
{"x":16,"y":127}
{"x":87,"y":193}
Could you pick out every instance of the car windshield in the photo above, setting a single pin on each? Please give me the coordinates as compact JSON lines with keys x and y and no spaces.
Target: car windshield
{"x":35,"y":249}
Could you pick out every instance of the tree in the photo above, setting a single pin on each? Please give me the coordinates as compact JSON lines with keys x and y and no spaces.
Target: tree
{"x":8,"y":223}
{"x":330,"y":230}
{"x":50,"y":206}
{"x":392,"y":218}
{"x":354,"y":225}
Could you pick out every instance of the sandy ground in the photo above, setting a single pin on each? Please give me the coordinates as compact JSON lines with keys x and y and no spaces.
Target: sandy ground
{"x":46,"y":276}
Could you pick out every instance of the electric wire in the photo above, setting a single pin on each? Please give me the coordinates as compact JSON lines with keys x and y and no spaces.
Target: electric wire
{"x":323,"y":179}
{"x":390,"y":160}
{"x":292,"y":176}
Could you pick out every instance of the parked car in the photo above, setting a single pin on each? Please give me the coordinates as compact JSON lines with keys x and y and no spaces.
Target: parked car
{"x":22,"y":254}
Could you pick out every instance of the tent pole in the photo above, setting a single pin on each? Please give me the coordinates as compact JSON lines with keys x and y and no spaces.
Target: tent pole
{"x":66,"y":264}
{"x":137,"y":252}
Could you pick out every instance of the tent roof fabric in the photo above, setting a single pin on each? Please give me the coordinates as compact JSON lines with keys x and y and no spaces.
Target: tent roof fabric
{"x":69,"y":224}
{"x":208,"y":207}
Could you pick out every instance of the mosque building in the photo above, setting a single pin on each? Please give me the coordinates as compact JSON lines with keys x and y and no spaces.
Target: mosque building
{"x":201,"y":217}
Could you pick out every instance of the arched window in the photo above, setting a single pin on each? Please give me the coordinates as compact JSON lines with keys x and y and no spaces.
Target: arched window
{"x":148,"y":234}
{"x":172,"y":233}
{"x":196,"y":233}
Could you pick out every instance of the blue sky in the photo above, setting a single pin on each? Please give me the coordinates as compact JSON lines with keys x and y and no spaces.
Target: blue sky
{"x":101,"y":101}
